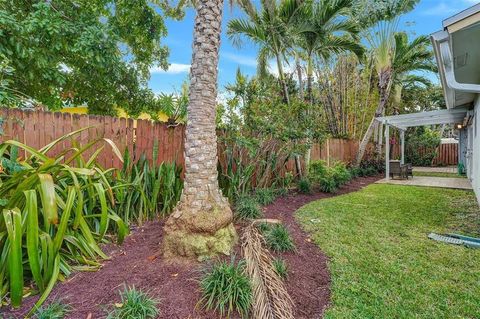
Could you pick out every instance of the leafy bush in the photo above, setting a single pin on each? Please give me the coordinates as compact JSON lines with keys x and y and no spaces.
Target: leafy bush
{"x":148,"y":189}
{"x":340,"y":173}
{"x":54,"y":216}
{"x":317,"y":169}
{"x":280,"y":267}
{"x":328,"y":184}
{"x":55,"y":310}
{"x":264,"y":196}
{"x":226,"y":288}
{"x":134,"y":304}
{"x":420,"y":146}
{"x":277,"y":237}
{"x":304,"y":186}
{"x":246,"y":207}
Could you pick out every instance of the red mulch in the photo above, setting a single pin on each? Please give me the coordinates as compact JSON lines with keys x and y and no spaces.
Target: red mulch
{"x":175,"y":285}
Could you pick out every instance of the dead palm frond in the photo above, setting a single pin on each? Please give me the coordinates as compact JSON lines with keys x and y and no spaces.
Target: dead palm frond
{"x":270,"y":297}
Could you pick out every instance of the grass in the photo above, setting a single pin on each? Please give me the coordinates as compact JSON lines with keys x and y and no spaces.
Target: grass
{"x":382,"y":263}
{"x":246,"y":207}
{"x":134,"y":304}
{"x":438,"y":174}
{"x":226,"y":289}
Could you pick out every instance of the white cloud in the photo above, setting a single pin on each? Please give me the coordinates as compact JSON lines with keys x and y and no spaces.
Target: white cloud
{"x":174,"y":68}
{"x":240,"y":59}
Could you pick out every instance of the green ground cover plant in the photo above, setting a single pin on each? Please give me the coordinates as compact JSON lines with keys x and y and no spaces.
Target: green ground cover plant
{"x":55,"y":310}
{"x":246,"y":207}
{"x":134,"y":304}
{"x":280,"y":267}
{"x":277,"y":237}
{"x":382,"y":263}
{"x":226,"y":289}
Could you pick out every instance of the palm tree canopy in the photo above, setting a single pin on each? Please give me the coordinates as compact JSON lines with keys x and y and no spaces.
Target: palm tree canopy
{"x":324,"y":27}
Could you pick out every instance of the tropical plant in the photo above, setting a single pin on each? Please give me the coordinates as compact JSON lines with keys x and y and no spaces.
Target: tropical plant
{"x":246,"y":207}
{"x":277,"y":237}
{"x":271,"y":28}
{"x":55,"y":212}
{"x":143,"y":190}
{"x":134,"y":304}
{"x":226,"y":289}
{"x":323,"y":29}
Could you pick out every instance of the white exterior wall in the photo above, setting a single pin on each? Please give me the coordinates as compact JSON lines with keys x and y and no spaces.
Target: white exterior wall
{"x":474,"y":150}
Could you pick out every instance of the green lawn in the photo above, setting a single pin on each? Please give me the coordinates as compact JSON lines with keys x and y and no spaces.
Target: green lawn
{"x":382,"y":263}
{"x":437,"y":174}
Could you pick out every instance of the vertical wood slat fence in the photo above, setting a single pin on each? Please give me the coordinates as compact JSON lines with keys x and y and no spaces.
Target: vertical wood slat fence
{"x":38,"y":128}
{"x":446,"y":154}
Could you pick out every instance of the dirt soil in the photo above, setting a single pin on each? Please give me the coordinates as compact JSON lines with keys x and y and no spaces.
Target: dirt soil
{"x":90,"y":294}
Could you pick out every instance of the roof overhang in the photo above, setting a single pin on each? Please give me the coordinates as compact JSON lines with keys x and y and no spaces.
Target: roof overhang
{"x":457,"y":52}
{"x":448,"y":116}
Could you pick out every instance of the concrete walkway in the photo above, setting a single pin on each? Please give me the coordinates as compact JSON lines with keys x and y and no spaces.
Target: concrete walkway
{"x":439,"y":169}
{"x":443,"y":182}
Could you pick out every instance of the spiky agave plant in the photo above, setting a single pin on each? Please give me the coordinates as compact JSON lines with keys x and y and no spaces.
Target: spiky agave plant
{"x":53,"y":215}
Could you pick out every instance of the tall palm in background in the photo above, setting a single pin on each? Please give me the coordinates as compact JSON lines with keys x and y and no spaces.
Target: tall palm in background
{"x":323,"y":29}
{"x":201,"y":225}
{"x":382,"y":42}
{"x":270,"y":27}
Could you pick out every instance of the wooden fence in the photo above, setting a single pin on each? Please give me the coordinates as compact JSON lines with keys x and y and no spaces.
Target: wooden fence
{"x":446,"y":154}
{"x":38,"y":128}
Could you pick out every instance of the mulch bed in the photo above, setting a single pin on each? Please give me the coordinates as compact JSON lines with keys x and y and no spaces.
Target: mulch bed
{"x":89,"y":294}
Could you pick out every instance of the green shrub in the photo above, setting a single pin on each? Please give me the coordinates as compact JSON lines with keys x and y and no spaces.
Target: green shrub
{"x":226,"y":289}
{"x":246,"y":207}
{"x":304,"y":186}
{"x":277,"y":237}
{"x":340,"y":174}
{"x":317,"y":169}
{"x":280,"y":267}
{"x":328,"y":184}
{"x":264,"y":196}
{"x":134,"y":304}
{"x":55,"y":310}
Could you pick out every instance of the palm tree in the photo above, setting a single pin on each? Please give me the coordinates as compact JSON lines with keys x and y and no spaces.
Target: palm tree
{"x":201,"y":225}
{"x":394,"y":57}
{"x":322,"y":29}
{"x":270,"y":28}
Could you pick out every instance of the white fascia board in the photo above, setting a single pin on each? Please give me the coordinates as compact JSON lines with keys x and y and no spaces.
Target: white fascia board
{"x":443,"y":54}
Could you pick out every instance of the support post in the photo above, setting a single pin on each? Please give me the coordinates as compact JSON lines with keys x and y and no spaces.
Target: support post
{"x":402,"y":139}
{"x":387,"y":151}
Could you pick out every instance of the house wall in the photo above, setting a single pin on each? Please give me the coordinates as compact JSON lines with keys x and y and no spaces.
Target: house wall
{"x":473,"y":154}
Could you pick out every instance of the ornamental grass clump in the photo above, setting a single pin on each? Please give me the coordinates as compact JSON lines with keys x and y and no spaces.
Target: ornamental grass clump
{"x":55,"y":310}
{"x":226,"y":289}
{"x":134,"y":304}
{"x":304,"y":186}
{"x":246,"y":207}
{"x":264,"y":196}
{"x":280,"y":267}
{"x":277,"y":237}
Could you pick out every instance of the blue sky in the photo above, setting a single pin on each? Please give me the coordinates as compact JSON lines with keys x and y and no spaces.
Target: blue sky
{"x":424,"y":19}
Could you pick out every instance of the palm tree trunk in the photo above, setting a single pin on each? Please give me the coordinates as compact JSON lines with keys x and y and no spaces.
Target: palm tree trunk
{"x":384,"y":87}
{"x":300,"y":79}
{"x":310,"y":79}
{"x":281,"y":75}
{"x":201,"y":225}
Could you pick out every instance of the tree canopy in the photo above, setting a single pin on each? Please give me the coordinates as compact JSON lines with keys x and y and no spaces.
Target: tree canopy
{"x":85,"y":52}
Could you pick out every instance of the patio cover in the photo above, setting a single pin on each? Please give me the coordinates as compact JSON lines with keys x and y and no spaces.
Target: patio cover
{"x":404,"y":121}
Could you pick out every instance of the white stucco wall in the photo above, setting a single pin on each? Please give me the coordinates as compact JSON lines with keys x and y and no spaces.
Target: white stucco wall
{"x":474,"y":148}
